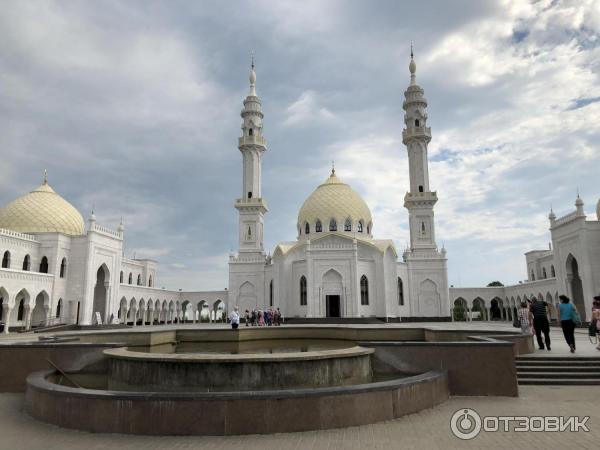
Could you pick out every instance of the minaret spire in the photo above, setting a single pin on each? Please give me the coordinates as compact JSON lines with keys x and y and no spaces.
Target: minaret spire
{"x":45,"y":176}
{"x":252,"y":77}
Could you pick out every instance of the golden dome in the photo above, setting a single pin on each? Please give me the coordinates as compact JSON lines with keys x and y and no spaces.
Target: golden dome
{"x":42,"y":211}
{"x":334,"y":199}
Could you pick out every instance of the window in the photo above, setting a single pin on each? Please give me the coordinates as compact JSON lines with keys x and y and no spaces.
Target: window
{"x":271,"y":293}
{"x":249,"y":194}
{"x":318,"y":226}
{"x":532,"y":276}
{"x":121,"y":277}
{"x":400,"y":292}
{"x":348,"y":224}
{"x":306,"y":228}
{"x":6,"y":260}
{"x":544,"y":273}
{"x":139,"y":280}
{"x":332,"y":225}
{"x":27,"y":262}
{"x":552,"y":272}
{"x":420,"y":188}
{"x":44,"y":265}
{"x":21,"y":309}
{"x":364,"y":290}
{"x":150,"y":281}
{"x":250,"y":132}
{"x":303,"y":291}
{"x":416,"y":122}
{"x":130,"y":278}
{"x":360,"y":226}
{"x":58,"y":307}
{"x":63,"y":267}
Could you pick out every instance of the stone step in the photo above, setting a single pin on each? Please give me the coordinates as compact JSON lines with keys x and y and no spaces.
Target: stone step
{"x":560,"y":381}
{"x":569,"y":374}
{"x":591,"y":368}
{"x":556,"y":359}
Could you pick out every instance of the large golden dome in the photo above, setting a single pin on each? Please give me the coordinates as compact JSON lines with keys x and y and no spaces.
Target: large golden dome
{"x":335,"y":199}
{"x":42,"y":211}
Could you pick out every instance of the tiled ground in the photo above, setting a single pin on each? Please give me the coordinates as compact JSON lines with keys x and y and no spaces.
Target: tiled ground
{"x":426,"y":430}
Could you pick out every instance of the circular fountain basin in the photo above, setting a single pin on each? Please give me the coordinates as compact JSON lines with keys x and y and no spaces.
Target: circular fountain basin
{"x":130,"y":370}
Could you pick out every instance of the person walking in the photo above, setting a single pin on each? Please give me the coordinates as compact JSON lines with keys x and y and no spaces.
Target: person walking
{"x":568,"y":317}
{"x":234,"y":318}
{"x":539,"y":313}
{"x":247,"y":317}
{"x":596,"y":318}
{"x":524,"y":318}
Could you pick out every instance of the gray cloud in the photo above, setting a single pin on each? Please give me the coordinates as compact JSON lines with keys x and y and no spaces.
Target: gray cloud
{"x":134,"y":107}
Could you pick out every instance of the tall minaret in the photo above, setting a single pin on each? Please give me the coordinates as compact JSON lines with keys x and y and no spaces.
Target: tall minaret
{"x":419,"y":200}
{"x":251,"y":205}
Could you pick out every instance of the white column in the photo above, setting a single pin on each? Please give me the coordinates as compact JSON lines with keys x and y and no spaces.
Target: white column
{"x":27,"y":313}
{"x":6,"y":310}
{"x":134,"y":315}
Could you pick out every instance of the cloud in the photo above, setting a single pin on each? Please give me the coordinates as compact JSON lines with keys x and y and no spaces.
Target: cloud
{"x":134,"y":107}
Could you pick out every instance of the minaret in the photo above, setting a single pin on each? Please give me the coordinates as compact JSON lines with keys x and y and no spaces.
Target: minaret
{"x":251,"y":205}
{"x":419,"y":200}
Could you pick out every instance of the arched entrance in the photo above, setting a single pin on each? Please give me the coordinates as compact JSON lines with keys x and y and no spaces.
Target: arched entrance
{"x":100,"y":293}
{"x":575,"y":285}
{"x":39,"y":314}
{"x":332,"y":291}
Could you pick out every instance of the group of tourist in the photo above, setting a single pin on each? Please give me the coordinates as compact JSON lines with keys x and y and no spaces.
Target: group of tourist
{"x":268,"y":317}
{"x":256,"y":317}
{"x":533,"y":317}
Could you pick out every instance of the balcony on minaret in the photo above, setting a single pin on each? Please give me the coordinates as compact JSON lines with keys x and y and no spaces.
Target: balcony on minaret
{"x":252,"y":140}
{"x":420,"y":199}
{"x":416,"y":132}
{"x":252,"y":204}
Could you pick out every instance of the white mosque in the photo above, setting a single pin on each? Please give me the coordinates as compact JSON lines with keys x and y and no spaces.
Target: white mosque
{"x":57,"y":270}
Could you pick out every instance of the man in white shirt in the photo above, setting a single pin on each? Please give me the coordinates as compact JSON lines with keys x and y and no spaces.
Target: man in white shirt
{"x":234,"y":318}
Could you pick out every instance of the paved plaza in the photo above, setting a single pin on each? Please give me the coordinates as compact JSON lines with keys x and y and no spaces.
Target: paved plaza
{"x":428,"y":429}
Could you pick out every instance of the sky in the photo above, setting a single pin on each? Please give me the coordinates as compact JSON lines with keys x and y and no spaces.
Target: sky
{"x":133,"y":108}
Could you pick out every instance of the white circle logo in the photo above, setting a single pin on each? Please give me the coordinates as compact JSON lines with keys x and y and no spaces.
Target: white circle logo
{"x":465,"y":424}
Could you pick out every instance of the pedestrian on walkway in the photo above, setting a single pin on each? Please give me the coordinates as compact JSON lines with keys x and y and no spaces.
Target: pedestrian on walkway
{"x":596,"y":319}
{"x":539,"y":314}
{"x":234,"y":318}
{"x":247,"y":317}
{"x":524,"y":318}
{"x":568,"y":318}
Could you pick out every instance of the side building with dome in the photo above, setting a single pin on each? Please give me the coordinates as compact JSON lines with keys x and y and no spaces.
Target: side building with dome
{"x":336,"y":267}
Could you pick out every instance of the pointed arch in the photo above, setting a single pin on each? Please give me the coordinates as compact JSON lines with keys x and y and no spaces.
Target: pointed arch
{"x":27,"y":263}
{"x":360,"y":226}
{"x":364,"y":290}
{"x":6,"y":260}
{"x":44,"y":265}
{"x":121,"y":277}
{"x":348,"y":224}
{"x":303,"y":291}
{"x":100,"y":292}
{"x":318,"y":226}
{"x":400,"y":292}
{"x":130,"y":279}
{"x":306,"y":228}
{"x":332,"y":224}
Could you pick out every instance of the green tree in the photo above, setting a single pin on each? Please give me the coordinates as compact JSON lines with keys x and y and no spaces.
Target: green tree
{"x":494,"y":284}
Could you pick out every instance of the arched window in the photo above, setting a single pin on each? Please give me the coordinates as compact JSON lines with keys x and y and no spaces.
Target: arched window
{"x":360,"y":226}
{"x":21,"y":309}
{"x":306,"y":228}
{"x":532,"y":276}
{"x":364,"y":290}
{"x":6,"y":260}
{"x":121,"y":277}
{"x":544,"y":274}
{"x":130,"y":278}
{"x":400,"y":292}
{"x":416,"y":122}
{"x":27,"y":262}
{"x":318,"y":226}
{"x":58,"y":307}
{"x":44,"y":265}
{"x":63,"y":267}
{"x":250,"y":132}
{"x":303,"y":291}
{"x":332,"y":225}
{"x":552,"y":272}
{"x":348,"y":224}
{"x":150,"y":281}
{"x":271,"y":293}
{"x":420,"y":188}
{"x":139,"y":280}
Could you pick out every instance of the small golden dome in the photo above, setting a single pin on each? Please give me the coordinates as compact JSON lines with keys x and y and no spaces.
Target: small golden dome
{"x":42,"y":211}
{"x":334,"y":199}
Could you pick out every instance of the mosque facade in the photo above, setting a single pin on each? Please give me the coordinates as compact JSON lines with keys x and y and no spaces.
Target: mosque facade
{"x":58,"y":270}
